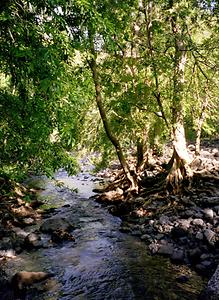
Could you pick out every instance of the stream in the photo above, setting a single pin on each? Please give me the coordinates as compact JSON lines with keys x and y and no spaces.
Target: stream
{"x":102,"y":262}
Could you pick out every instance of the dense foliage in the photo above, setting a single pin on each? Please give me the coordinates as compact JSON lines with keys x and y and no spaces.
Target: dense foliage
{"x":157,"y":67}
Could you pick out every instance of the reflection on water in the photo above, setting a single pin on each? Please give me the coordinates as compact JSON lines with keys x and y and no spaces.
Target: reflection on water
{"x":103,"y":263}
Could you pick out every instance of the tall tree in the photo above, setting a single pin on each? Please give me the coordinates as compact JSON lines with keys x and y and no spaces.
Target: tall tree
{"x":33,"y":67}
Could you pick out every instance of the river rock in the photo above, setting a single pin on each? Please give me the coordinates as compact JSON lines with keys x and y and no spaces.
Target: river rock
{"x":216,"y":208}
{"x":153,"y":247}
{"x":211,"y":292}
{"x":198,"y":222}
{"x":59,"y":236}
{"x":167,"y":228}
{"x":33,"y":240}
{"x":199,"y":236}
{"x":166,"y":249}
{"x":194,"y":254}
{"x":188,"y":213}
{"x":54,"y":224}
{"x":208,"y":213}
{"x":210,"y":236}
{"x":6,"y":243}
{"x":29,"y":221}
{"x":198,"y":215}
{"x":164,"y":220}
{"x":216,"y":221}
{"x":10,"y":253}
{"x":178,"y":256}
{"x":178,"y":232}
{"x":146,"y":238}
{"x":125,"y":229}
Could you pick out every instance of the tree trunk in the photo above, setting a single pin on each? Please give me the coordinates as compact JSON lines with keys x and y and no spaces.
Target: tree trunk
{"x":140,"y":154}
{"x":180,"y":169}
{"x":131,"y":177}
{"x":142,"y":151}
{"x":148,"y":14}
{"x":199,"y":126}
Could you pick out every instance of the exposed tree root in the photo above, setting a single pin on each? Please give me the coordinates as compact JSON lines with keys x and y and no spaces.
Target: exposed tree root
{"x":202,"y":175}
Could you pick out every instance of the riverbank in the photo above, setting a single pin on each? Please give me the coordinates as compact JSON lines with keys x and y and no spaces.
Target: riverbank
{"x":185,"y":227}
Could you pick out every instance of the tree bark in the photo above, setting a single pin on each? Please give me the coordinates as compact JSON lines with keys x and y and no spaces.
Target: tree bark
{"x":180,"y":169}
{"x":131,"y":178}
{"x":199,"y":126}
{"x":148,"y":12}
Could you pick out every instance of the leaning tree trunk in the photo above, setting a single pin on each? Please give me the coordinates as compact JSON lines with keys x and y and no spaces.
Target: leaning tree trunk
{"x":131,"y":178}
{"x":179,"y":163}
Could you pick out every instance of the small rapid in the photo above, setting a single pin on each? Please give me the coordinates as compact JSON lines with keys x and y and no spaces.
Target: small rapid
{"x":102,"y":262}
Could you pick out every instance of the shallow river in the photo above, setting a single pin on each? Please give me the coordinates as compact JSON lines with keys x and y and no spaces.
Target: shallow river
{"x":102,"y":263}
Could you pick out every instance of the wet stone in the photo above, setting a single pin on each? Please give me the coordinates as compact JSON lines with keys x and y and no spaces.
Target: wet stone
{"x":136,"y":232}
{"x":54,"y":224}
{"x":33,"y":240}
{"x":125,"y":229}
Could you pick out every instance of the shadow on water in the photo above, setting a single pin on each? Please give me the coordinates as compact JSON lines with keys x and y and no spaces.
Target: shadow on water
{"x":102,"y":263}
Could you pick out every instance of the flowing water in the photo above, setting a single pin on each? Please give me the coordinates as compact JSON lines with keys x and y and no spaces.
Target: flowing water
{"x":102,"y":263}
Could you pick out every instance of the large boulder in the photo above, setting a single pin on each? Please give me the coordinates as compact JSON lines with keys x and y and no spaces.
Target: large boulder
{"x":211,"y":292}
{"x":55,"y":224}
